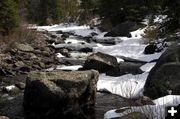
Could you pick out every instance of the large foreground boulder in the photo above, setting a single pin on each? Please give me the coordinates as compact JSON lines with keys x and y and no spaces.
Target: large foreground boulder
{"x":60,"y":94}
{"x":123,"y":29}
{"x":101,"y":62}
{"x":4,"y":117}
{"x":164,"y":78}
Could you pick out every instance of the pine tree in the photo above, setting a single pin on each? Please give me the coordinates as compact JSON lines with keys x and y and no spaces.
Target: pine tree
{"x":117,"y":11}
{"x":88,"y":8}
{"x":40,"y":11}
{"x":172,"y":9}
{"x":8,"y":16}
{"x":33,"y":7}
{"x":73,"y":9}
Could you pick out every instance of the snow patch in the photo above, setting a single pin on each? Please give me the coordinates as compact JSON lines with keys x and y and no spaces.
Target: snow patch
{"x":72,"y":68}
{"x":156,"y":111}
{"x":9,"y":88}
{"x":119,"y":60}
{"x":148,"y":66}
{"x":79,"y":55}
{"x":138,"y":33}
{"x":83,"y":30}
{"x":129,"y":86}
{"x":129,"y":47}
{"x":59,"y":55}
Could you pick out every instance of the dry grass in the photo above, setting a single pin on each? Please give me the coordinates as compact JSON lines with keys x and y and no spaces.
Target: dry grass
{"x":151,"y":34}
{"x":22,"y":35}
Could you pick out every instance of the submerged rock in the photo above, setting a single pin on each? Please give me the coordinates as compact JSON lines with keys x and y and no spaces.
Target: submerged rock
{"x":60,"y":94}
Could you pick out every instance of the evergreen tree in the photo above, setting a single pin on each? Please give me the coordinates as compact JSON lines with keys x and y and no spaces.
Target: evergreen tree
{"x":42,"y":11}
{"x":33,"y":7}
{"x":8,"y":16}
{"x":88,"y":8}
{"x":73,"y":9}
{"x":117,"y":11}
{"x":172,"y":9}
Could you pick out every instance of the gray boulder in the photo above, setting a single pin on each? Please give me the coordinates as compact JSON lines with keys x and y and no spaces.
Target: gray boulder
{"x":101,"y":62}
{"x":60,"y":94}
{"x":164,"y":78}
{"x":24,"y":47}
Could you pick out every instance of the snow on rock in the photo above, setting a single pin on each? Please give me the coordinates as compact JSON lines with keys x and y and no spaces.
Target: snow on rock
{"x":73,"y":40}
{"x":119,"y":60}
{"x":74,"y":43}
{"x":74,"y":46}
{"x":9,"y":88}
{"x":148,"y":66}
{"x":129,"y":86}
{"x":72,"y":68}
{"x":79,"y":55}
{"x":86,"y":32}
{"x":64,"y":67}
{"x":156,"y":111}
{"x":169,"y":100}
{"x":130,"y":47}
{"x":101,"y":39}
{"x":160,"y":18}
{"x":74,"y":28}
{"x":134,"y":34}
{"x":45,"y":28}
{"x":138,"y":33}
{"x":62,"y":27}
{"x":100,"y":36}
{"x":59,"y":55}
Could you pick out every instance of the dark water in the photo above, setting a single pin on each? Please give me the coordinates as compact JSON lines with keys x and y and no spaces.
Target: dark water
{"x":11,"y":106}
{"x":105,"y":102}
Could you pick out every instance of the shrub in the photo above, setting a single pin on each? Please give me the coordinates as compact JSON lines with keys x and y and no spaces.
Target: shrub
{"x":151,"y":34}
{"x":22,"y":35}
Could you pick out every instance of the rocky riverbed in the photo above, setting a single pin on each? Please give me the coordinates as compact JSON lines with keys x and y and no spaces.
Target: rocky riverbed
{"x":61,"y":58}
